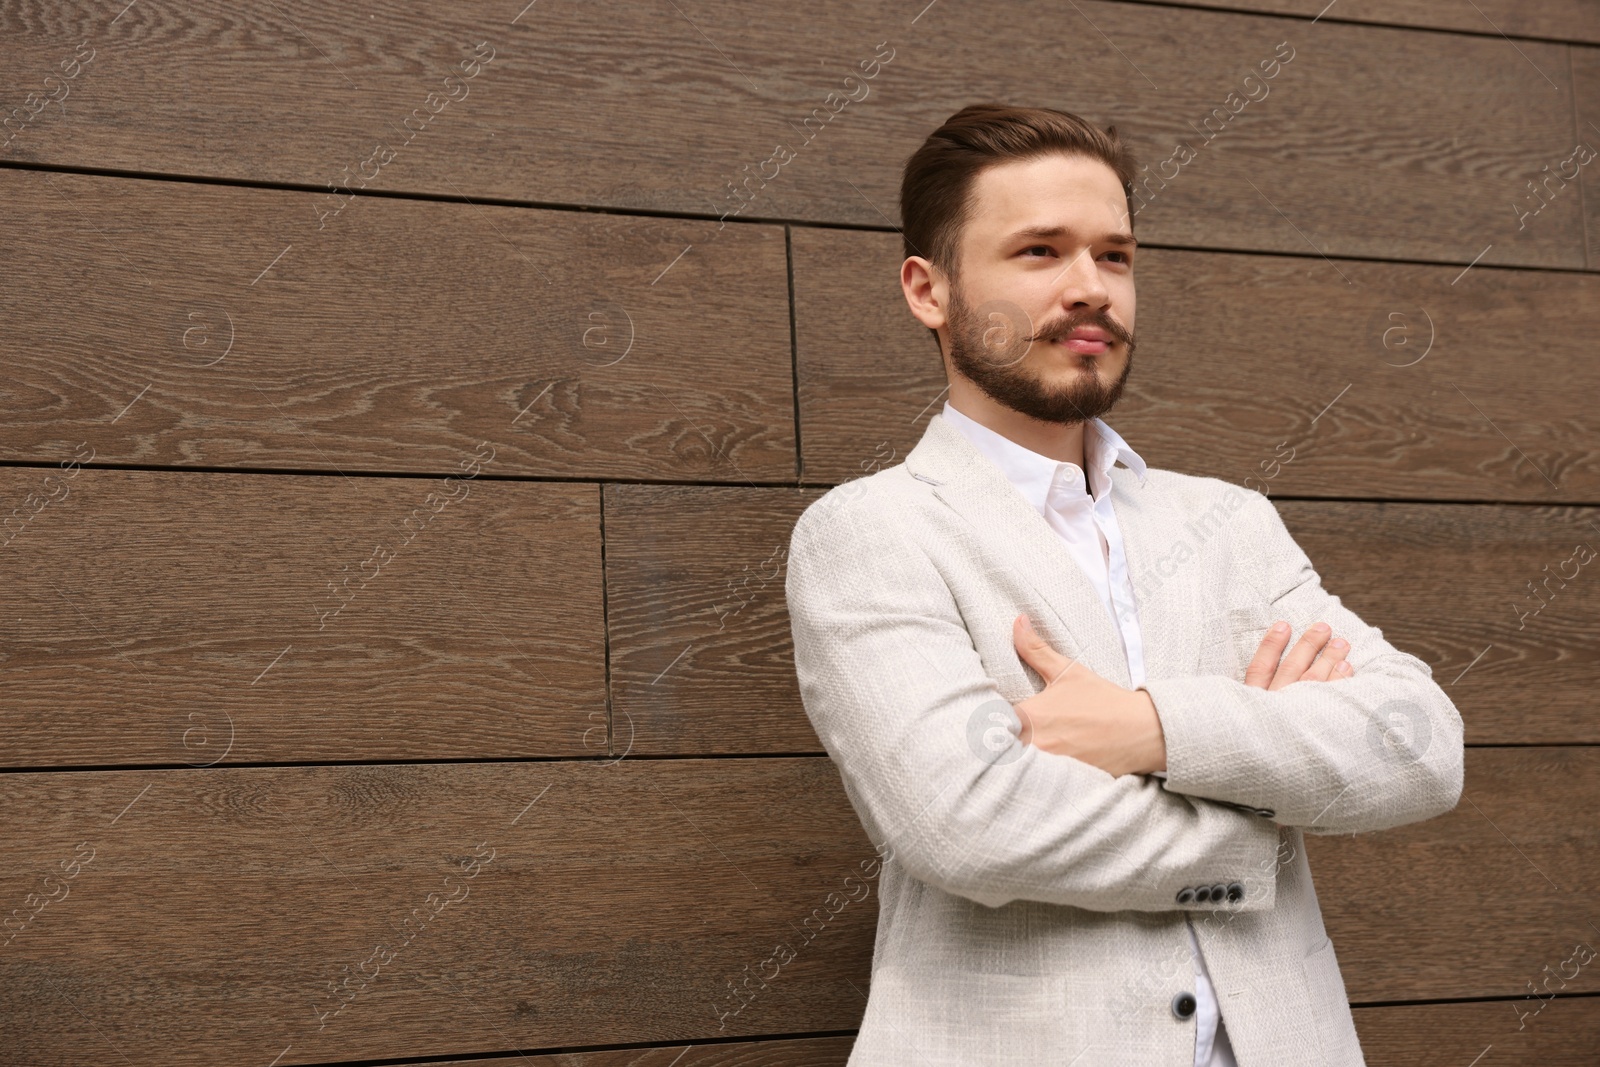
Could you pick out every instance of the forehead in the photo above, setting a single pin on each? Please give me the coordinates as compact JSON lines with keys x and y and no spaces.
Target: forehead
{"x":1054,"y":189}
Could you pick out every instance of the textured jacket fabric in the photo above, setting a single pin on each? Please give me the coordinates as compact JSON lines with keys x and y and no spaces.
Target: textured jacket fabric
{"x":1031,"y":905}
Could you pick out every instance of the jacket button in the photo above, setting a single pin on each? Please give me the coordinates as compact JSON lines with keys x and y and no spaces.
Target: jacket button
{"x":1202,"y":894}
{"x":1183,"y":1005}
{"x":1219,"y":893}
{"x":1236,"y":891}
{"x":1186,"y":895}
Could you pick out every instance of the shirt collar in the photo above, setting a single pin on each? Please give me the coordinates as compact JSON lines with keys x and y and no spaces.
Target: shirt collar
{"x":1036,"y":475}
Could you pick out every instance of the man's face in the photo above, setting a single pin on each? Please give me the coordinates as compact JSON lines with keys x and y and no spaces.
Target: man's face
{"x":1040,"y":260}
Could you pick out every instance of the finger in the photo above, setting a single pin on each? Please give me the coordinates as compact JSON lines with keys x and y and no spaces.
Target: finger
{"x":1332,"y":656}
{"x":1036,"y":652}
{"x":1321,"y":668}
{"x":1342,"y":669}
{"x":1261,"y":669}
{"x":1300,"y":656}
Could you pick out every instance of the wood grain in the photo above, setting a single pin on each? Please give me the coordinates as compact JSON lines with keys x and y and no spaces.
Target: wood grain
{"x":199,"y":325}
{"x":1373,"y":142}
{"x":1564,"y":1034}
{"x":1476,"y":903}
{"x":613,"y":904}
{"x":483,"y":635}
{"x":1586,"y":131}
{"x":1387,"y":380}
{"x":610,"y":905}
{"x":179,"y":617}
{"x":702,"y":659}
{"x":1478,"y":594}
{"x":1552,"y":20}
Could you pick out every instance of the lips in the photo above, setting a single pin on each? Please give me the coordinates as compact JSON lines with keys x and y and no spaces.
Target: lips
{"x":1087,"y":340}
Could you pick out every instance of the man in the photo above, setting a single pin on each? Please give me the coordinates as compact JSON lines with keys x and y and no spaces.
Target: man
{"x":1052,"y":686}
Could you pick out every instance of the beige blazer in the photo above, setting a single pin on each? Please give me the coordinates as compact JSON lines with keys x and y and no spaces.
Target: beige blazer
{"x":1032,"y":906}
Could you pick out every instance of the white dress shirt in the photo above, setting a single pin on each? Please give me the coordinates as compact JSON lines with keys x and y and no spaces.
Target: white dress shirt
{"x":1088,"y":527}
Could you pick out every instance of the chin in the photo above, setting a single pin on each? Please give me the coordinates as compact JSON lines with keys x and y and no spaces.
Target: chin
{"x":1077,"y":365}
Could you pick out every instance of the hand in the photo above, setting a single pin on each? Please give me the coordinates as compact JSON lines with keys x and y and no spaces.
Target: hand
{"x":1082,"y":715}
{"x":1315,"y":658}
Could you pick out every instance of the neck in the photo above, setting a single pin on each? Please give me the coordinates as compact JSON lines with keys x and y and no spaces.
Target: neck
{"x":1062,"y":442}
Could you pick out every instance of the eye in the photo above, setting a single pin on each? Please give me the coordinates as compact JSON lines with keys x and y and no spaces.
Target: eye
{"x":1126,"y":258}
{"x":1036,"y":248}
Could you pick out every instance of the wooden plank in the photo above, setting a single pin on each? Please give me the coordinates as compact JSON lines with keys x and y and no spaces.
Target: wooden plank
{"x":617,"y":901}
{"x":620,"y":108}
{"x":1479,"y":902}
{"x":1551,"y":20}
{"x":702,"y":659}
{"x":610,"y":905}
{"x":797,"y":1052}
{"x":1564,"y":1034}
{"x":1393,"y":385}
{"x":867,"y":374}
{"x":1586,"y":132}
{"x":162,"y":617}
{"x":219,"y":327}
{"x":133,"y":654}
{"x":1498,"y":601}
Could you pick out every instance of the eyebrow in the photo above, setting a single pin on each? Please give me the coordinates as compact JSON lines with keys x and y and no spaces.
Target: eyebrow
{"x":1126,"y":239}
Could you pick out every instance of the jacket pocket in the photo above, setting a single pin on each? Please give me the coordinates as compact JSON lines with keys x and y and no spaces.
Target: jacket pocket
{"x":1336,"y":1027}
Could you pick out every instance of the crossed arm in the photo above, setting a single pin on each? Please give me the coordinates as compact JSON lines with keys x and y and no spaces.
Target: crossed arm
{"x":1378,"y":751}
{"x":899,"y":697}
{"x":1381,"y":748}
{"x":902,"y":702}
{"x":1081,"y":714}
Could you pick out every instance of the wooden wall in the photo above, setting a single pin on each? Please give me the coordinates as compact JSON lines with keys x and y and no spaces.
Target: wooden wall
{"x":394,"y":662}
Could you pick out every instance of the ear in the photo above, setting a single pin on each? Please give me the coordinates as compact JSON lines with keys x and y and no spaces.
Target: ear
{"x":926,"y":291}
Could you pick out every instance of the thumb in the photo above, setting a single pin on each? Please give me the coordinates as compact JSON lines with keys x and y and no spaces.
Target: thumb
{"x":1036,"y":652}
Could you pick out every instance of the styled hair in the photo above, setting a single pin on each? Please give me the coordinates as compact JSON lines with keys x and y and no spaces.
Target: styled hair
{"x":935,"y":186}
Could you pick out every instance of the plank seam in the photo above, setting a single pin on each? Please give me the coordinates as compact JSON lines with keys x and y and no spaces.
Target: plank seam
{"x":687,"y":216}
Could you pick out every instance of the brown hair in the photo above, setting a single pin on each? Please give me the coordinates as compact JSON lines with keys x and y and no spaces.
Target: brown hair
{"x":935,"y":184}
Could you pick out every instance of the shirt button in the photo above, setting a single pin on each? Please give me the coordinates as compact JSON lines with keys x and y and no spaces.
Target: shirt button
{"x":1183,"y":1005}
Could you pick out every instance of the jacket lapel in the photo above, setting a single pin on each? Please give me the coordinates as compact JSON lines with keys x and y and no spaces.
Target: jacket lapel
{"x":1017,"y":535}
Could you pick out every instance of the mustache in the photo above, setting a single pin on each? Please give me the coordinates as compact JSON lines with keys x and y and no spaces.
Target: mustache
{"x":1057,"y":331}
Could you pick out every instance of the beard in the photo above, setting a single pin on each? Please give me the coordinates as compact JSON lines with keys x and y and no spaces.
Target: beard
{"x":989,"y":345}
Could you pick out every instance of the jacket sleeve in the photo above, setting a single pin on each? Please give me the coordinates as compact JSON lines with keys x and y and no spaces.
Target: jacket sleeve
{"x":929,"y":755}
{"x":1380,"y":748}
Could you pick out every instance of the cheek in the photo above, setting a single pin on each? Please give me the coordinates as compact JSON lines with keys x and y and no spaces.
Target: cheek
{"x":1123,"y":302}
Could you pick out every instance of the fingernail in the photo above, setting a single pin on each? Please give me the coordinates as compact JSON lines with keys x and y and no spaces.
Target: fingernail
{"x":1322,"y":627}
{"x":1280,"y":627}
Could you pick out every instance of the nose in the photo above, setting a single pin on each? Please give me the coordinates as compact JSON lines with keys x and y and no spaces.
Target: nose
{"x":1079,"y":283}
